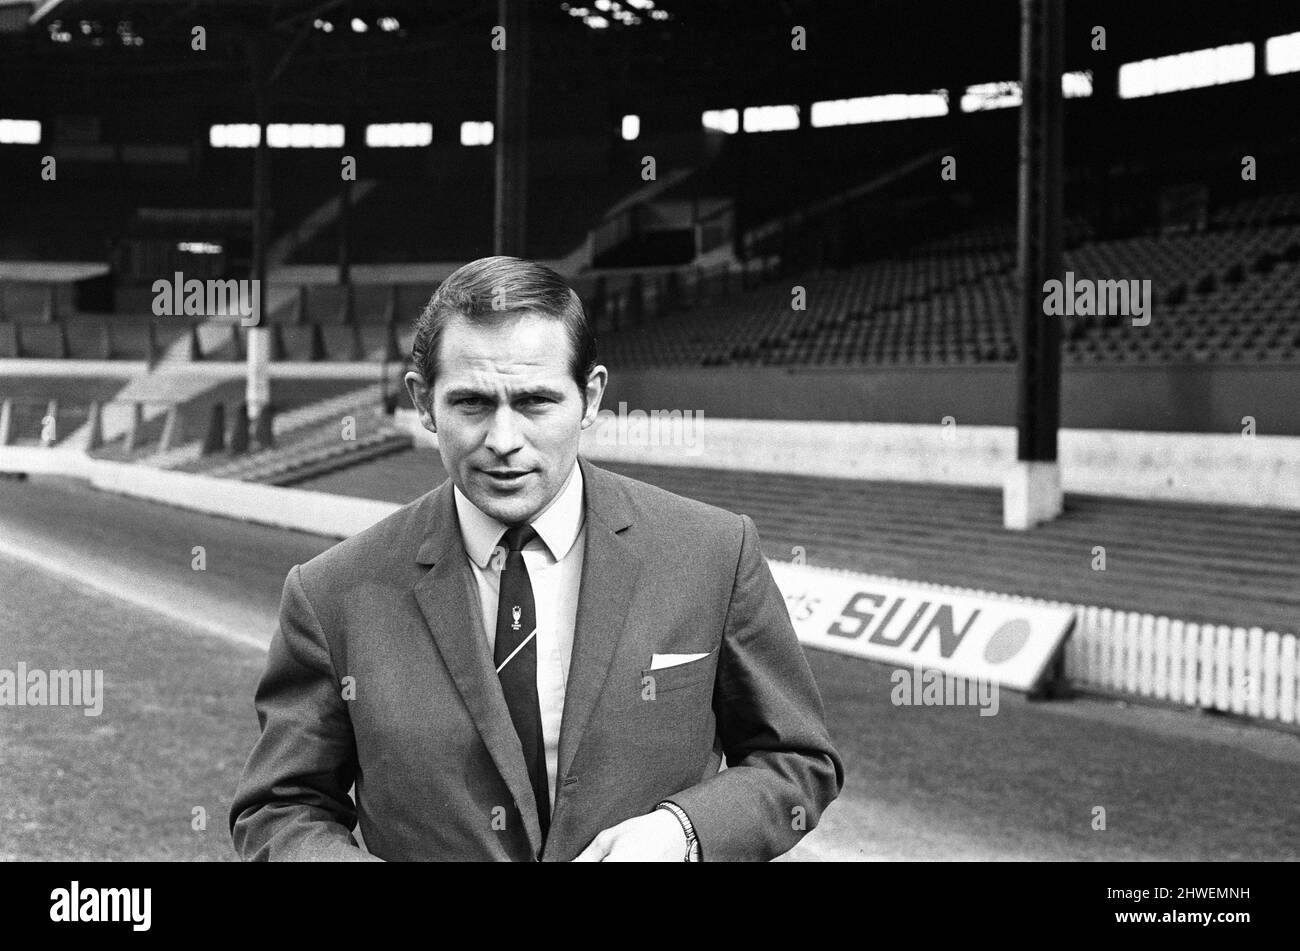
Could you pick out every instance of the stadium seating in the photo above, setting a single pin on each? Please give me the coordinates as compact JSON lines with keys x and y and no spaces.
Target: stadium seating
{"x":953,"y":535}
{"x":295,"y":400}
{"x":1221,"y":295}
{"x":762,"y":326}
{"x":29,"y":398}
{"x":1224,"y":294}
{"x":309,"y":441}
{"x":1266,"y":209}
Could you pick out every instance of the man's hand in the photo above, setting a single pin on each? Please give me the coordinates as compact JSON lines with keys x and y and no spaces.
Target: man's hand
{"x":657,"y":837}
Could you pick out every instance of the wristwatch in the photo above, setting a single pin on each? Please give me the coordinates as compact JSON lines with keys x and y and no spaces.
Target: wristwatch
{"x":692,"y":841}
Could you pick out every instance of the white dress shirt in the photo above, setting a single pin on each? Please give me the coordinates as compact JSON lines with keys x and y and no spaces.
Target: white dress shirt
{"x":554,"y":561}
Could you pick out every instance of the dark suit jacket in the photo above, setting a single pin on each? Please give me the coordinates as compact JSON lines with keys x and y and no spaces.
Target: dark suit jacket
{"x":425,"y":733}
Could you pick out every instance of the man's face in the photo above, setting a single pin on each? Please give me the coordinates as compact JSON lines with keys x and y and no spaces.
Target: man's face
{"x":507,"y":412}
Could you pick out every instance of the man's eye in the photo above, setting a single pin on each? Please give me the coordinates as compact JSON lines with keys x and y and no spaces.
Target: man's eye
{"x":471,"y":402}
{"x":536,"y":400}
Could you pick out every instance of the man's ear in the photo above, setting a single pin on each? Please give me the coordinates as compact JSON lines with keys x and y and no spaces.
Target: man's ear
{"x":595,"y":390}
{"x":421,"y":398}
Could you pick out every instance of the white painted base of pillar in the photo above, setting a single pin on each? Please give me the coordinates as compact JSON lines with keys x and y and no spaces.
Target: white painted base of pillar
{"x":257,"y":391}
{"x":1031,"y":494}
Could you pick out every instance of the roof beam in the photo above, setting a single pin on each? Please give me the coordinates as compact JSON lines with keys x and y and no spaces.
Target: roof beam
{"x":42,"y":11}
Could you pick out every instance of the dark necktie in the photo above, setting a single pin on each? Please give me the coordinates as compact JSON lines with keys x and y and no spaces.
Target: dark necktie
{"x":515,"y":655}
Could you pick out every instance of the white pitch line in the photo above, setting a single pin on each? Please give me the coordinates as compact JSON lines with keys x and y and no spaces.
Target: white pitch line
{"x":115,"y":590}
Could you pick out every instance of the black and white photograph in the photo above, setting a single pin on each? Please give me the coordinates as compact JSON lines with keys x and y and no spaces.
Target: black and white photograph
{"x":814,"y":431}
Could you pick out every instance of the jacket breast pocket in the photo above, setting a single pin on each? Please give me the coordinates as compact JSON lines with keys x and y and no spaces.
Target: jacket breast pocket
{"x":667,"y":679}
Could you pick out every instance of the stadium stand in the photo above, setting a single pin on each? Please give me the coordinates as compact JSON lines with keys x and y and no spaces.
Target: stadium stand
{"x":1264,"y":210}
{"x":1226,"y":295}
{"x":309,"y":441}
{"x":953,"y":535}
{"x":29,"y":399}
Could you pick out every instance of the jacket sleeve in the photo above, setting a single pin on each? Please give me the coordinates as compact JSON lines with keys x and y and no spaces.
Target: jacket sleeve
{"x":292,"y":802}
{"x":782,"y":771}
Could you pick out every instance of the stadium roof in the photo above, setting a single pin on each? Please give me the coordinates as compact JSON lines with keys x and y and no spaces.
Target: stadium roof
{"x":54,"y":53}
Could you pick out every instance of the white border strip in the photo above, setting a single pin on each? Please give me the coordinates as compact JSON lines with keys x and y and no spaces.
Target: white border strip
{"x":317,"y":513}
{"x":79,"y":576}
{"x":1215,"y":468}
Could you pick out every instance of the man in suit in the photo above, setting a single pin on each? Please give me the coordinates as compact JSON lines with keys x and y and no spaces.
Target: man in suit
{"x":539,"y":659}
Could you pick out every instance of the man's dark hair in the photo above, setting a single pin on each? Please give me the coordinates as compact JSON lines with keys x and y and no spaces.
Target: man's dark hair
{"x":497,"y":286}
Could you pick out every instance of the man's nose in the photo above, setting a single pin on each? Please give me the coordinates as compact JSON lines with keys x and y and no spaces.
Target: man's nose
{"x":504,"y":435}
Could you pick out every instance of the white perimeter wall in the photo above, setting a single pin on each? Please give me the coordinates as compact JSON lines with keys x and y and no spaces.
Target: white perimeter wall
{"x":1228,"y":469}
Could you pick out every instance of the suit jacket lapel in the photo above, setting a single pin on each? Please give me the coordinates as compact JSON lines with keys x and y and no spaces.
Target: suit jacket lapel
{"x":448,"y":597}
{"x":610,"y":572}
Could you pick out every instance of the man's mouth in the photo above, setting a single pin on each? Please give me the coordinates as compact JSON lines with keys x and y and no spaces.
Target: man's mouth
{"x":505,"y":476}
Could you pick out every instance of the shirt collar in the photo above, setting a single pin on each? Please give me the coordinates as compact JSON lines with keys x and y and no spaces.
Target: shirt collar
{"x":558,"y":525}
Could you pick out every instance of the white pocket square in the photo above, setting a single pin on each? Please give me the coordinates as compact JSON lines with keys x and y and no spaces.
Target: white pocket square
{"x":660,"y":661}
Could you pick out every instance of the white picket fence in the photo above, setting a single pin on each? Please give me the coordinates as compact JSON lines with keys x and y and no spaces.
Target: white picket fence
{"x":1233,"y":669}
